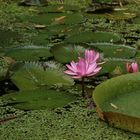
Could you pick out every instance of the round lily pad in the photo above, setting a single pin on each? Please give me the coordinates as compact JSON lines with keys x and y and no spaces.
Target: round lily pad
{"x":39,"y":99}
{"x":115,"y":50}
{"x":89,"y":36}
{"x":66,"y":53}
{"x":28,"y":53}
{"x":118,"y":101}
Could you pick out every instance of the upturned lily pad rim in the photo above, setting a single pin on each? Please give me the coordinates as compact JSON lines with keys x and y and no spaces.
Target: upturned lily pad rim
{"x":107,"y":90}
{"x":118,"y":101}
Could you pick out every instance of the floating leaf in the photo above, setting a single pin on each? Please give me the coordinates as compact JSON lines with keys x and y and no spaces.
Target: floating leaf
{"x":42,"y":38}
{"x":50,"y":18}
{"x":32,"y":75}
{"x":66,"y":29}
{"x":115,"y":51}
{"x":89,"y":36}
{"x":114,"y":66}
{"x":39,"y":99}
{"x":136,"y":20}
{"x":28,"y":53}
{"x":7,"y":37}
{"x":120,"y":15}
{"x":59,"y":8}
{"x":118,"y":101}
{"x":65,"y":53}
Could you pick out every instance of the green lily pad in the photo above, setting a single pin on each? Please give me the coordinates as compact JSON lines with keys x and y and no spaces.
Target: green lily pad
{"x":39,"y":99}
{"x":118,"y":101}
{"x":7,"y":37}
{"x":65,"y":53}
{"x":56,"y":18}
{"x":136,"y":20}
{"x":59,"y":8}
{"x":89,"y":36}
{"x":28,"y":53}
{"x":32,"y":75}
{"x":115,"y":51}
{"x":121,"y":15}
{"x":42,"y":38}
{"x":66,"y":29}
{"x":114,"y":66}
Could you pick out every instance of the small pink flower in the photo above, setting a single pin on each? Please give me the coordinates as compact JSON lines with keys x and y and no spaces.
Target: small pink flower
{"x":132,"y":68}
{"x":82,"y":68}
{"x":91,"y":56}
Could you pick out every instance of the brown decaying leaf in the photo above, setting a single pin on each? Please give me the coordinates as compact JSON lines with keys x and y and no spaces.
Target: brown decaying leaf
{"x":60,"y":18}
{"x":39,"y":26}
{"x":8,"y":60}
{"x":60,"y":8}
{"x":114,"y":106}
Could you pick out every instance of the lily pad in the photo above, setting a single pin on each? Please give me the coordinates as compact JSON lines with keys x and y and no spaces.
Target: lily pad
{"x":136,"y":20}
{"x":118,"y":101}
{"x":89,"y":36}
{"x":114,"y":66}
{"x":65,"y":53}
{"x":59,"y":8}
{"x":121,"y":15}
{"x":115,"y":51}
{"x":28,"y":53}
{"x":39,"y":99}
{"x":32,"y":75}
{"x":56,"y":18}
{"x":7,"y":37}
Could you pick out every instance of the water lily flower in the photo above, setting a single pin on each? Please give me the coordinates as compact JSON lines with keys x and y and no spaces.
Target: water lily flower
{"x":82,"y":68}
{"x":85,"y":67}
{"x":132,"y":68}
{"x":91,"y":56}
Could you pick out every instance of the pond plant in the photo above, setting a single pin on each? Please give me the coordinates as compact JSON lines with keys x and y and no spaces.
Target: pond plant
{"x":85,"y":67}
{"x":133,"y":67}
{"x":59,"y":50}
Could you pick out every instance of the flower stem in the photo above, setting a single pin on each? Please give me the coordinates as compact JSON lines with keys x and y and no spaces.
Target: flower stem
{"x":83,"y":87}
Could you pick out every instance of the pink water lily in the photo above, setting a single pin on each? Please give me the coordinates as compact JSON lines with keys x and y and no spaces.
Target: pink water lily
{"x":82,"y":68}
{"x":85,"y":67}
{"x":132,"y":68}
{"x":91,"y":56}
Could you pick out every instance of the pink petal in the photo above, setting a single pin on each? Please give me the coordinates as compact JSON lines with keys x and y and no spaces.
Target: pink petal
{"x":91,"y":68}
{"x":70,"y":72}
{"x":95,"y":72}
{"x":134,"y":67}
{"x":76,"y":77}
{"x":88,"y":55}
{"x":74,"y":69}
{"x":91,"y":56}
{"x":81,"y":67}
{"x":97,"y":56}
{"x":92,"y":74}
{"x":97,"y":69}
